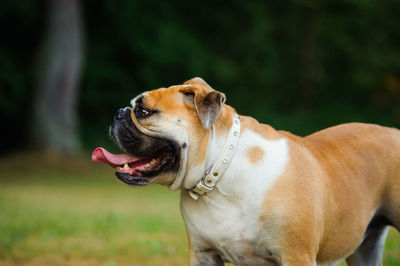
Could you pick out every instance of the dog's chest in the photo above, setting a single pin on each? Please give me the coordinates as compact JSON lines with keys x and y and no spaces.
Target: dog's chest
{"x":227,"y":219}
{"x":231,"y":231}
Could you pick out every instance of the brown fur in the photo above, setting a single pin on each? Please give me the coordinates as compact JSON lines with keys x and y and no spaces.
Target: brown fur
{"x":343,"y":173}
{"x":255,"y":154}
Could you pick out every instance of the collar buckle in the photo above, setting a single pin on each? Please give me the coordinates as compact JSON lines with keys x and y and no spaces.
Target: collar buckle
{"x":200,"y":189}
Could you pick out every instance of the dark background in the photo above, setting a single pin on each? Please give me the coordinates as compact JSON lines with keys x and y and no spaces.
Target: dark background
{"x":297,"y":65}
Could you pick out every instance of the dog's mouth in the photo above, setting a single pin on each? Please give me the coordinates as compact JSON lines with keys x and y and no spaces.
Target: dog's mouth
{"x":136,"y":171}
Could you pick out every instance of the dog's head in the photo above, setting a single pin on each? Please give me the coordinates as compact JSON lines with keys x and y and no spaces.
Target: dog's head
{"x":163,"y":132}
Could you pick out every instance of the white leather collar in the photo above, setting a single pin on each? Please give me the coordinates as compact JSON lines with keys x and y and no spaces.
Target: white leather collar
{"x":215,"y":171}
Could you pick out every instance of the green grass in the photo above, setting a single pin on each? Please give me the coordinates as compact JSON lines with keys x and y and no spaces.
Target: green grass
{"x":67,"y":211}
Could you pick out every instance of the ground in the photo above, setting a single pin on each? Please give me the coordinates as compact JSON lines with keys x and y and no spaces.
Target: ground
{"x":68,"y":211}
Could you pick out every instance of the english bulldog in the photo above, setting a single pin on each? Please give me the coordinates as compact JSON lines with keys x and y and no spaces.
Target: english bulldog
{"x":253,"y":195}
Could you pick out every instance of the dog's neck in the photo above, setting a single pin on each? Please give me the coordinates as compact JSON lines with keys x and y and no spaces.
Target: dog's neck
{"x":219,"y":154}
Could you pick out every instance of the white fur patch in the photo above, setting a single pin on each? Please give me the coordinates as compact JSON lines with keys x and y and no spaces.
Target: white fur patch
{"x":255,"y":179}
{"x":230,"y":212}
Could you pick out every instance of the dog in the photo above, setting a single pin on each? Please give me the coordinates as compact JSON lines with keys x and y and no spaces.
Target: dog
{"x":253,"y":195}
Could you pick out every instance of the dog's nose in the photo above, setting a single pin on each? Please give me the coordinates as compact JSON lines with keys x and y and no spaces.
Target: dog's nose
{"x":121,"y":113}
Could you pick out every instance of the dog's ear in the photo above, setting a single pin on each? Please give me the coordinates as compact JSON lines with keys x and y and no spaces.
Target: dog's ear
{"x":207,"y":101}
{"x":208,"y":107}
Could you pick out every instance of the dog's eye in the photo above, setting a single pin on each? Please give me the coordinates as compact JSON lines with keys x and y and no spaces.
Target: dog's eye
{"x":142,"y":112}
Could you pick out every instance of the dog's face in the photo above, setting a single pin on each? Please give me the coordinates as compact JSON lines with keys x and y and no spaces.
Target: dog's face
{"x":164,"y":132}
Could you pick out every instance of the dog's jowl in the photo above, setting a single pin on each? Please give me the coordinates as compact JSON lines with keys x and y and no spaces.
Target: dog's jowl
{"x":252,"y":195}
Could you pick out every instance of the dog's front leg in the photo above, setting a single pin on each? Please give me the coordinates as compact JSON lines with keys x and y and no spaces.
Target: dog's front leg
{"x":205,"y":257}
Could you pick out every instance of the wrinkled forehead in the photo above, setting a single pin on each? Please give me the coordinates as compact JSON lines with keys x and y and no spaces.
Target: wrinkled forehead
{"x":161,"y":99}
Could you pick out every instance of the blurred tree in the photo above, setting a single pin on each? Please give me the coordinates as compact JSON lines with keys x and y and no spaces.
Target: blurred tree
{"x":54,"y":107}
{"x":299,"y":65}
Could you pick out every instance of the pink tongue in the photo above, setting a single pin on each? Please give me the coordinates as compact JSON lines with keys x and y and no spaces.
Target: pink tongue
{"x":101,"y":155}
